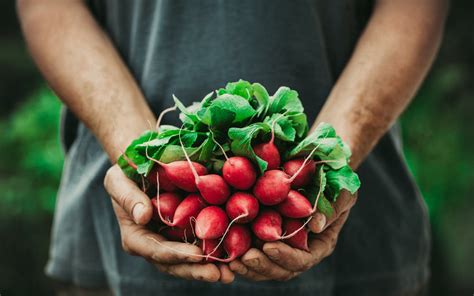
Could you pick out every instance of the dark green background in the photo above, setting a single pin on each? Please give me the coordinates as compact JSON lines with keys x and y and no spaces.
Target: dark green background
{"x":437,"y":131}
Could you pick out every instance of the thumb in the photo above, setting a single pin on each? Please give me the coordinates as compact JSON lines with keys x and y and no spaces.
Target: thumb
{"x":127,"y":194}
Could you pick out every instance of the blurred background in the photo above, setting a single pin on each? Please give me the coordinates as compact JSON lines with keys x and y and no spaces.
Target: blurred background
{"x":438,"y":131}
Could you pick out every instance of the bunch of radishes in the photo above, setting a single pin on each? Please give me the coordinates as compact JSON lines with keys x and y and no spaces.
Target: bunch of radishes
{"x":219,"y":182}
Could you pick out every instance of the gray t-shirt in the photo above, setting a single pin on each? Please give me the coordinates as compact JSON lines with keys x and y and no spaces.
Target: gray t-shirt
{"x":191,"y":47}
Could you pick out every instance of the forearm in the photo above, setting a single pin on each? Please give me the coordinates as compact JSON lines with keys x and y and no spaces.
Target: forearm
{"x":388,"y":65}
{"x":84,"y":69}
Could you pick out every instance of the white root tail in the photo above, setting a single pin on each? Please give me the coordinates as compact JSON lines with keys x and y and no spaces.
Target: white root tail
{"x":193,"y":169}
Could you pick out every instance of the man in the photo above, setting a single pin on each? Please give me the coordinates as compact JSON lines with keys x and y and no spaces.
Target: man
{"x":356,"y":65}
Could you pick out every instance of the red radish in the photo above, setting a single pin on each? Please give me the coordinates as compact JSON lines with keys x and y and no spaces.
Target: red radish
{"x":267,"y":226}
{"x":272,"y":187}
{"x":237,"y":242}
{"x":239,"y":172}
{"x":300,"y":239}
{"x":189,"y":208}
{"x":268,"y":152}
{"x":179,"y":234}
{"x":210,"y":247}
{"x":181,"y":174}
{"x":165,"y":182}
{"x":295,"y":205}
{"x":213,"y":189}
{"x":292,"y":166}
{"x":211,"y":223}
{"x":244,"y":205}
{"x":168,"y":204}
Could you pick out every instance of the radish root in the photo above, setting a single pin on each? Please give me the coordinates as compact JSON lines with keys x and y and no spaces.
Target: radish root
{"x":160,"y":117}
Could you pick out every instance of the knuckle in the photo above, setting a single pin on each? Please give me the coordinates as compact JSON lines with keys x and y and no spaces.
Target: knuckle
{"x":125,"y":199}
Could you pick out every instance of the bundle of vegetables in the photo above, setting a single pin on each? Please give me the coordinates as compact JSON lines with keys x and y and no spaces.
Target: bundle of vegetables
{"x":241,"y":170}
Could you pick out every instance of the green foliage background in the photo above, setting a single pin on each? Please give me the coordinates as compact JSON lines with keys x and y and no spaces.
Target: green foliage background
{"x":437,"y":129}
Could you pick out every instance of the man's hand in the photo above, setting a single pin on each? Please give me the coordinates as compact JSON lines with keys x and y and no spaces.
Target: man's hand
{"x":278,"y":261}
{"x":133,"y":210}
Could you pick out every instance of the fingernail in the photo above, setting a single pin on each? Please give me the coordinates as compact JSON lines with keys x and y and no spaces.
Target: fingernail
{"x":321,"y":221}
{"x":137,"y":212}
{"x":272,"y":253}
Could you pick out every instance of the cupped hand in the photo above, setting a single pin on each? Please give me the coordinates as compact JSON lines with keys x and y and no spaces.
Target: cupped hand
{"x":278,"y":261}
{"x":134,"y":210}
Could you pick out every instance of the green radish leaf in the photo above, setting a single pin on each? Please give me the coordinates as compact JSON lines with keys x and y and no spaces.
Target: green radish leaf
{"x":299,"y":122}
{"x":285,"y":99}
{"x":240,"y":88}
{"x":186,"y":115}
{"x":223,"y":106}
{"x":206,"y":101}
{"x":344,"y":178}
{"x":314,"y":188}
{"x":127,"y":169}
{"x":174,"y":152}
{"x":217,"y":117}
{"x":242,"y":142}
{"x":205,"y":150}
{"x":262,"y":97}
{"x":283,"y":127}
{"x":330,"y":147}
{"x":325,"y":206}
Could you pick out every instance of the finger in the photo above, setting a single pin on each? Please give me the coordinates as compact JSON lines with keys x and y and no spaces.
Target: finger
{"x":227,"y":276}
{"x":287,"y":257}
{"x":238,"y":267}
{"x":258,"y":262}
{"x":200,"y":272}
{"x":138,"y":240}
{"x":318,"y":222}
{"x":255,"y":277}
{"x":344,"y":202}
{"x":127,"y":194}
{"x":322,"y":245}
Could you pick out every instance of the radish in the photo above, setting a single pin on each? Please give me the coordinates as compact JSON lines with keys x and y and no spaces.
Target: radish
{"x":268,"y":152}
{"x":267,"y":226}
{"x":291,"y":167}
{"x":295,"y":205}
{"x":237,"y":242}
{"x":189,"y":208}
{"x":239,"y":172}
{"x":243,"y":205}
{"x":300,"y":239}
{"x":272,"y":187}
{"x":212,"y":187}
{"x":168,"y":204}
{"x":165,"y":182}
{"x":211,"y":223}
{"x":179,"y":234}
{"x":183,"y":174}
{"x":210,"y":247}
